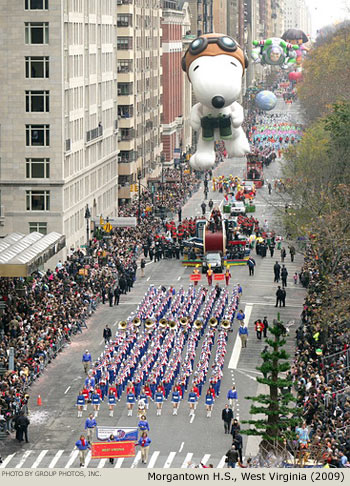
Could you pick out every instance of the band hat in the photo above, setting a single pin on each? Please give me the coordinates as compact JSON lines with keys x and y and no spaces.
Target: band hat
{"x":214,"y":50}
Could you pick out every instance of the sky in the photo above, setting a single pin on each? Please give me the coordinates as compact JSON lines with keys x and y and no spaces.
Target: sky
{"x":325,"y":12}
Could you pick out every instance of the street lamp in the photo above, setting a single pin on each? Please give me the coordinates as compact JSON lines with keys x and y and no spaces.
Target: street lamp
{"x":162,"y":159}
{"x":139,"y":192}
{"x":87,"y":217}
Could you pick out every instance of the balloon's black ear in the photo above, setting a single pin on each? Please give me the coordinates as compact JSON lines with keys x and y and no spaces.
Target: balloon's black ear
{"x":183,"y":63}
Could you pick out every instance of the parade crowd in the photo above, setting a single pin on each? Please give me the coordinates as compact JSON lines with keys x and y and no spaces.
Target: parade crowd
{"x":51,"y":306}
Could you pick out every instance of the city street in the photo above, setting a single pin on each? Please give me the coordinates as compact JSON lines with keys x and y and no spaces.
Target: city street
{"x":176,"y":440}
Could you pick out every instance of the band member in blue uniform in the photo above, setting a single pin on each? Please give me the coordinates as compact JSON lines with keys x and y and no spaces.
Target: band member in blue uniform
{"x":80,"y":404}
{"x":209,"y":402}
{"x":159,"y":399}
{"x":175,"y":400}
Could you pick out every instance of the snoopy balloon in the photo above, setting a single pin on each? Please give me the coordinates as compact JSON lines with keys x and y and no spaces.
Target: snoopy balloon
{"x":215,"y":64}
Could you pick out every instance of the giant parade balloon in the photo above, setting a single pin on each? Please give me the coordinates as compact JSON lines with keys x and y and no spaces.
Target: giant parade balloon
{"x":265,"y":100}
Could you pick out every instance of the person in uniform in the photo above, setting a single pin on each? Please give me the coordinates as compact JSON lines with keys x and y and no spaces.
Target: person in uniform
{"x":130,"y":399}
{"x":209,"y":402}
{"x":111,"y":402}
{"x":175,"y":400}
{"x":80,"y":403}
{"x":159,"y":399}
{"x":192,"y":400}
{"x":143,"y":425}
{"x":95,"y":400}
{"x":210,"y":275}
{"x":90,"y":424}
{"x":144,"y":442}
{"x":82,"y":445}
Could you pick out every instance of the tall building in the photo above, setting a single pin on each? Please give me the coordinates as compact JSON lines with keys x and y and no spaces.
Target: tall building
{"x":173,"y":120}
{"x":201,"y":16}
{"x":58,"y":112}
{"x":139,"y":93}
{"x":297,"y":15}
{"x":277,"y":17}
{"x":220,"y":16}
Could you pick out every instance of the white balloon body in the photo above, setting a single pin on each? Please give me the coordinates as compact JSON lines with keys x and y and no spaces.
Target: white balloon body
{"x":217,"y":76}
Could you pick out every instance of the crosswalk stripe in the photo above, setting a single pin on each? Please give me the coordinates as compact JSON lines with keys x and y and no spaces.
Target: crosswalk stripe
{"x":205,"y":459}
{"x":169,"y":460}
{"x":24,"y":458}
{"x":136,"y":460}
{"x":7,"y":460}
{"x":188,"y":457}
{"x":87,"y":459}
{"x":153,"y":459}
{"x":56,"y":458}
{"x":119,"y":462}
{"x":221,"y":463}
{"x":73,"y":456}
{"x":39,"y":459}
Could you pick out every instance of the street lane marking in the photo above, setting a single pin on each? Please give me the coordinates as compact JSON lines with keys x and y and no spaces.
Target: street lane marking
{"x":192,"y":418}
{"x":179,"y":278}
{"x":56,"y":458}
{"x":187,"y":460}
{"x":169,"y":460}
{"x":7,"y":460}
{"x":247,"y":375}
{"x":101,"y":341}
{"x":72,"y":458}
{"x":221,"y":463}
{"x":153,"y":459}
{"x":238,"y":344}
{"x":67,"y":390}
{"x":39,"y":459}
{"x":272,"y":304}
{"x":148,"y":279}
{"x":181,"y":446}
{"x":136,"y":460}
{"x":101,"y":463}
{"x":205,"y":459}
{"x":87,"y":459}
{"x":24,"y":458}
{"x":119,"y":462}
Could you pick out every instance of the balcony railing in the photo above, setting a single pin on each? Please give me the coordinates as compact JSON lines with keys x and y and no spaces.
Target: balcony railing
{"x":94,"y":133}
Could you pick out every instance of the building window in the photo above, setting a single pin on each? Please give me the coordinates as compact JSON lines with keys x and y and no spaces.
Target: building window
{"x":38,"y":227}
{"x":37,"y":67}
{"x":37,"y":101}
{"x":124,"y":89}
{"x":38,"y":200}
{"x":124,"y":20}
{"x":124,"y":43}
{"x":37,"y":168}
{"x":37,"y":135}
{"x":36,"y":4}
{"x":124,"y":66}
{"x":37,"y":32}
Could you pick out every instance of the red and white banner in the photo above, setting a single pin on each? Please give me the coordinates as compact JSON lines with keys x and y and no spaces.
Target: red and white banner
{"x":219,"y":276}
{"x":101,"y":450}
{"x":195,"y":278}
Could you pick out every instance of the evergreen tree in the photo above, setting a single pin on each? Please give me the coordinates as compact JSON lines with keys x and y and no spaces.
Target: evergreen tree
{"x":279,"y":414}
